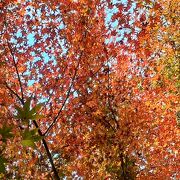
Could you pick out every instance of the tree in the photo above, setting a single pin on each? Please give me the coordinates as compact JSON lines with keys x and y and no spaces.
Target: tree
{"x":89,"y":89}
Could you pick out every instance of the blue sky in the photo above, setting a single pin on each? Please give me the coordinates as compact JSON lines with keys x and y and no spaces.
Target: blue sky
{"x":31,"y":40}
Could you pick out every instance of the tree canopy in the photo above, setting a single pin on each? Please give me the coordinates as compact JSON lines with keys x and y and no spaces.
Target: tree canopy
{"x":89,"y":89}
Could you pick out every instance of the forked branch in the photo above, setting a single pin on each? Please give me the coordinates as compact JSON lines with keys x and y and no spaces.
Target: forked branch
{"x":67,"y":97}
{"x":56,"y":176}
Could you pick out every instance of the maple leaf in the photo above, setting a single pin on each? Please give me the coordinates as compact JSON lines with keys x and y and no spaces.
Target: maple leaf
{"x":25,"y":113}
{"x":6,"y":133}
{"x":108,"y":74}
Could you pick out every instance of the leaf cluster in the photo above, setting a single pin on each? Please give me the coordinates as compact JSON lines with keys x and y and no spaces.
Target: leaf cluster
{"x":25,"y":113}
{"x":30,"y":137}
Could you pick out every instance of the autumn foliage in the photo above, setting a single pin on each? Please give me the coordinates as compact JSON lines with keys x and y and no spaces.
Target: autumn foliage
{"x":89,"y":89}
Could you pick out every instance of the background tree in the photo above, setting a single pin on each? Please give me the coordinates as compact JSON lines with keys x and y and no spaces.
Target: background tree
{"x":89,"y":89}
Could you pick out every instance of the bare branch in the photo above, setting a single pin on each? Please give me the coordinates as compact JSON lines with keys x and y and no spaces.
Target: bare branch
{"x":13,"y":92}
{"x":35,"y":123}
{"x":53,"y":89}
{"x":17,"y":71}
{"x":67,"y":97}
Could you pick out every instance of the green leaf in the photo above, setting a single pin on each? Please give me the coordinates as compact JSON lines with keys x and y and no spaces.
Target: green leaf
{"x":36,"y":108}
{"x":27,"y":105}
{"x":37,"y":116}
{"x":28,"y":143}
{"x":28,"y":134}
{"x":26,"y":114}
{"x":2,"y":164}
{"x":37,"y":138}
{"x":30,"y":137}
{"x":19,"y":109}
{"x":21,"y":113}
{"x":6,"y":133}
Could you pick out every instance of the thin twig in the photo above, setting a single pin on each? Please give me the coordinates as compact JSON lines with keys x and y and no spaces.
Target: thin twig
{"x":15,"y":65}
{"x":67,"y":97}
{"x":13,"y":92}
{"x":53,"y":89}
{"x":47,"y":151}
{"x":56,"y":176}
{"x":109,"y":102}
